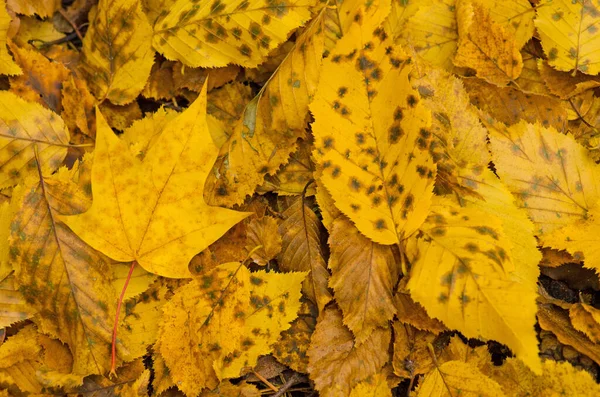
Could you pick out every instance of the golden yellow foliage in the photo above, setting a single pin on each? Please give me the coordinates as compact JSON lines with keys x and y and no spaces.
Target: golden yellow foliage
{"x":569,"y":34}
{"x":131,"y":217}
{"x":220,"y":323}
{"x":458,"y":378}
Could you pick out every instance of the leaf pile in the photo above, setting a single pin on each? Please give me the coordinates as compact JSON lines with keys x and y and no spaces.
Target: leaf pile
{"x":292,"y":197}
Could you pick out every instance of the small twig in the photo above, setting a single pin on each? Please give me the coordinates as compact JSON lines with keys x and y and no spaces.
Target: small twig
{"x":265,"y":381}
{"x":293,"y":380}
{"x":66,"y":17}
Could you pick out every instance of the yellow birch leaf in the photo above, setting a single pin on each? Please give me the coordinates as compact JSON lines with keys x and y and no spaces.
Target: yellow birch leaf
{"x":530,"y":79}
{"x":510,"y":105}
{"x":301,"y":251}
{"x":194,"y":78}
{"x":551,"y":176}
{"x":31,"y":28}
{"x":43,"y":81}
{"x":152,"y":211}
{"x":432,"y":32}
{"x":486,"y":46}
{"x":265,"y":135}
{"x":227,"y":104}
{"x":117,"y":52}
{"x":227,"y":31}
{"x":25,"y":126}
{"x":220,"y":323}
{"x":30,"y":7}
{"x":374,"y":386}
{"x":13,"y":307}
{"x":142,"y":134}
{"x":292,"y":346}
{"x":516,"y":16}
{"x":569,"y":34}
{"x":7,"y":64}
{"x":586,"y":319}
{"x":263,"y":233}
{"x":579,"y":238}
{"x":370,"y":142}
{"x":467,"y":254}
{"x":336,"y":363}
{"x":228,"y":389}
{"x":329,"y":211}
{"x":400,"y":12}
{"x":413,"y":313}
{"x":455,"y":378}
{"x":67,"y":282}
{"x":557,"y":379}
{"x":162,"y":379}
{"x":363,"y":278}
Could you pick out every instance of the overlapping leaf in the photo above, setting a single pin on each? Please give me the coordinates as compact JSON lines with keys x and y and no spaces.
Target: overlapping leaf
{"x":216,"y":33}
{"x":220,"y":323}
{"x":461,"y":274}
{"x":117,"y":55}
{"x":265,"y":136}
{"x":570,"y":32}
{"x":372,"y":143}
{"x":24,"y":128}
{"x":152,"y":211}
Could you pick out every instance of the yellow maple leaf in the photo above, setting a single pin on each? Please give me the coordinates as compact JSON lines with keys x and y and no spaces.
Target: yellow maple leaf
{"x":220,"y":323}
{"x":24,"y":128}
{"x":465,"y":250}
{"x":153,"y":211}
{"x":569,"y":34}
{"x":117,"y":55}
{"x":552,"y":177}
{"x":227,"y":31}
{"x":486,"y":46}
{"x":380,"y":174}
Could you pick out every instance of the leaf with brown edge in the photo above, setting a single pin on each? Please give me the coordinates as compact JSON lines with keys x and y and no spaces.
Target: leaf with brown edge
{"x":586,"y":318}
{"x":43,"y":81}
{"x":486,"y":46}
{"x":301,"y":251}
{"x":371,"y":144}
{"x":30,"y":7}
{"x":152,"y":211}
{"x":551,"y":176}
{"x":336,"y":363}
{"x":223,"y":32}
{"x":117,"y":54}
{"x":363,"y":275}
{"x":462,"y":275}
{"x":220,"y":323}
{"x":66,"y":281}
{"x":24,"y":128}
{"x":266,"y":134}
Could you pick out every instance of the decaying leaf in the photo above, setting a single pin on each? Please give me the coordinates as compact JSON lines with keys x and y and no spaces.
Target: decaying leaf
{"x":220,"y":323}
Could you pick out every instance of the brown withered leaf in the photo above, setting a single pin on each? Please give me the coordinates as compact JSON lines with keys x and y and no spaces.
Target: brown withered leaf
{"x":336,"y":363}
{"x":411,"y":352}
{"x":412,"y":313}
{"x":363,"y":275}
{"x":301,"y":250}
{"x":263,"y":241}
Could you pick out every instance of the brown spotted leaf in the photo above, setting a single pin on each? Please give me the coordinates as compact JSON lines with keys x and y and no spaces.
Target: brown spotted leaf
{"x":227,"y":31}
{"x":461,"y":274}
{"x":336,"y":363}
{"x":364,"y":274}
{"x":66,"y":281}
{"x":266,"y":134}
{"x":220,"y":323}
{"x":301,"y":251}
{"x":117,"y":55}
{"x":371,"y":133}
{"x":24,"y":128}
